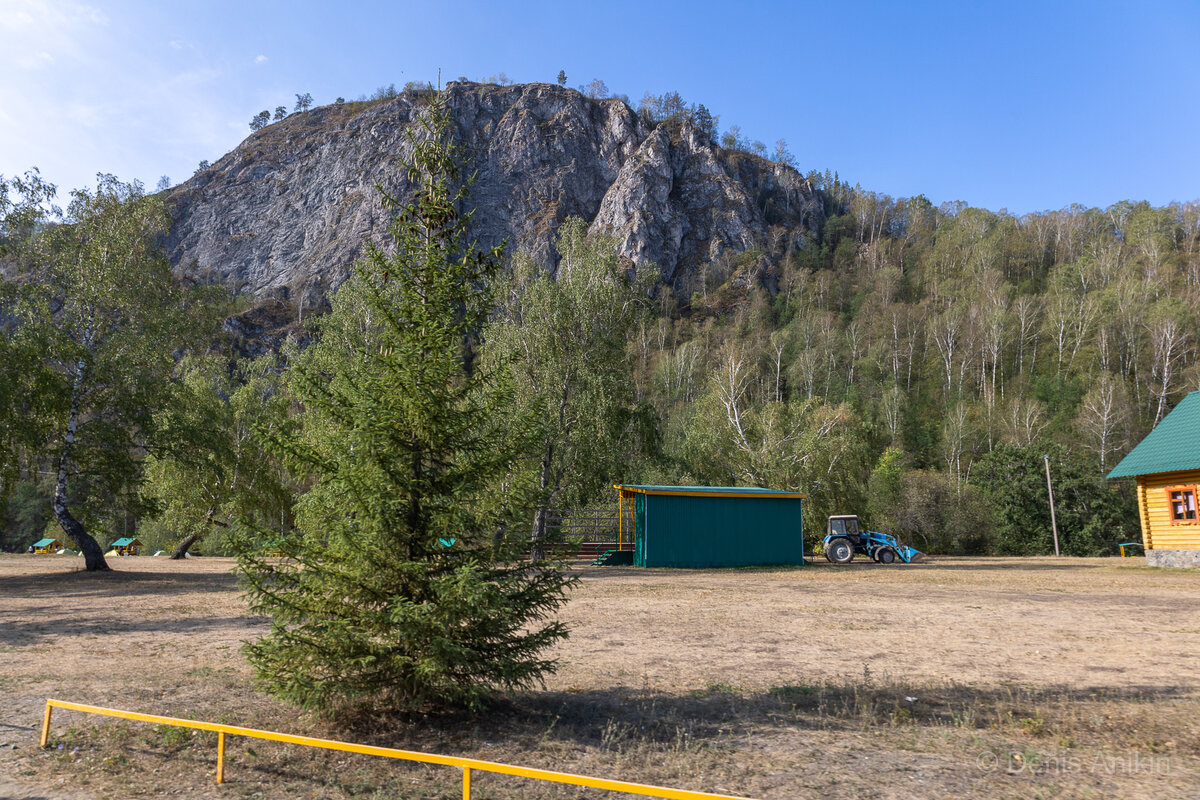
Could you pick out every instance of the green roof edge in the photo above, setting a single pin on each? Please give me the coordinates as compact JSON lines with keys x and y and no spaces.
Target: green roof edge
{"x":1173,"y":445}
{"x":752,"y":491}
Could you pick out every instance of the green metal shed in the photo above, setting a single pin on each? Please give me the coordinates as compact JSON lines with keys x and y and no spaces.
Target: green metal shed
{"x":712,"y":526}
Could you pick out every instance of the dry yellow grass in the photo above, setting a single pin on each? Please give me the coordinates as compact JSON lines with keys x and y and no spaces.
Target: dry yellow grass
{"x":952,"y":678}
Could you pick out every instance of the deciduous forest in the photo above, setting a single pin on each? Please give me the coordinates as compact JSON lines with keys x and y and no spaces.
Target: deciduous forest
{"x":916,"y":363}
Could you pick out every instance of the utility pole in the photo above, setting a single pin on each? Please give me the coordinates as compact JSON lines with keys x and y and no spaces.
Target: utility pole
{"x":1050,"y":489}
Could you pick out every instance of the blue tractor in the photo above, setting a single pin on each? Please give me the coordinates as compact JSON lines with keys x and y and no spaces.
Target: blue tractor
{"x":844,"y":537}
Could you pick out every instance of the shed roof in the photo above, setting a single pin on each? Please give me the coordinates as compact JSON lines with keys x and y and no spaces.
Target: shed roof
{"x":1173,"y":445}
{"x":45,"y":542}
{"x":128,"y":540}
{"x":710,"y":491}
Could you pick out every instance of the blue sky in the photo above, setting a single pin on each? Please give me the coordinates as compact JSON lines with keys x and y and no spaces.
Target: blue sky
{"x":1016,"y":105}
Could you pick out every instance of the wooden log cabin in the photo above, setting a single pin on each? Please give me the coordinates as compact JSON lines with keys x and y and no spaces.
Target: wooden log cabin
{"x":1166,"y":465}
{"x":128,"y":546}
{"x":46,"y":546}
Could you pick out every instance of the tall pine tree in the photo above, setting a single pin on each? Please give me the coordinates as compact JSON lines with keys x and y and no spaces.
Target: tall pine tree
{"x":399,"y":588}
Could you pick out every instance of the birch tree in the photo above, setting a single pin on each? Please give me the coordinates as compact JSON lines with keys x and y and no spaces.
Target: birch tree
{"x":565,"y":339}
{"x":1103,"y":417}
{"x":22,"y":392}
{"x":948,"y":330}
{"x":1024,"y":420}
{"x":798,"y":444}
{"x":1168,"y":331}
{"x":230,"y":471}
{"x":108,"y":316}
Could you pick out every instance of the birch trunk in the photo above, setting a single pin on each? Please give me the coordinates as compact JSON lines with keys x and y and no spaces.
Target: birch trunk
{"x":93,"y":556}
{"x":538,"y":534}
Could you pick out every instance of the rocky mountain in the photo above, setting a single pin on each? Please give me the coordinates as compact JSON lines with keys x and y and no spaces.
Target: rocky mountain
{"x":285,"y":214}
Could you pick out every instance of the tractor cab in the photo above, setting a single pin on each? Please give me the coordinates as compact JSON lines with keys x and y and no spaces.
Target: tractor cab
{"x":846,"y":526}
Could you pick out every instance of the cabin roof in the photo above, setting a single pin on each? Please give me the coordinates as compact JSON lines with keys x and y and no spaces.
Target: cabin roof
{"x":1173,"y":445}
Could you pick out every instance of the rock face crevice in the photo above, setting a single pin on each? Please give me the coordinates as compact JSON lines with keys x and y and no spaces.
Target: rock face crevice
{"x":289,"y":209}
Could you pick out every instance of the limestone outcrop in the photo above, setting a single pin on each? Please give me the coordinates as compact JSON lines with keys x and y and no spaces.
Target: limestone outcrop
{"x":287,"y":212}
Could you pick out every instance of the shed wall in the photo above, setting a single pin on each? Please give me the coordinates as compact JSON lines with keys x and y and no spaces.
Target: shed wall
{"x":687,"y":531}
{"x":1157,"y":531}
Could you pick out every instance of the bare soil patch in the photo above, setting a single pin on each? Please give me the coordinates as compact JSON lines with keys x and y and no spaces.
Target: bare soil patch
{"x":950,"y":678}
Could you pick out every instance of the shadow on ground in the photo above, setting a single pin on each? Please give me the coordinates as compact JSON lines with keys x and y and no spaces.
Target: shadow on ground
{"x":600,"y":718}
{"x":82,"y":584}
{"x":31,"y":632}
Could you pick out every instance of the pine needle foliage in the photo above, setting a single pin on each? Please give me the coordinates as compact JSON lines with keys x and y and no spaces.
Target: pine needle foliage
{"x":399,"y":590}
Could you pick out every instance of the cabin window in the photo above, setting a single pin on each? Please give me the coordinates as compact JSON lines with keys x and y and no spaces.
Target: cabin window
{"x":1182,"y":501}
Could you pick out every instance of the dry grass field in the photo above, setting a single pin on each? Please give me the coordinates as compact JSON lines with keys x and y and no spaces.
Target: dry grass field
{"x":986,"y":678}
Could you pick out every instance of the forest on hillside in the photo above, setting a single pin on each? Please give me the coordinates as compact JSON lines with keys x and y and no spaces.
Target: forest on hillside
{"x":918,"y":362}
{"x":911,"y":363}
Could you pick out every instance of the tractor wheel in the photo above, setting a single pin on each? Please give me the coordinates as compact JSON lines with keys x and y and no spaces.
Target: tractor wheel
{"x":886,"y":555}
{"x":839,"y":551}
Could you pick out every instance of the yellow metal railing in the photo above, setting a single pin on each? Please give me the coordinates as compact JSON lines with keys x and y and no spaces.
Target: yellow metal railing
{"x":466,"y":764}
{"x":625,"y":506}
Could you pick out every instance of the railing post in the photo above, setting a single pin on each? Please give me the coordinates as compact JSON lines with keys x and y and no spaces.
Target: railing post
{"x":46,"y":725}
{"x":220,"y":756}
{"x":466,"y":783}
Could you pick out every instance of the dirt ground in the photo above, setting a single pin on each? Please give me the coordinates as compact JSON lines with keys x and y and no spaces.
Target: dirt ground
{"x":949,"y":678}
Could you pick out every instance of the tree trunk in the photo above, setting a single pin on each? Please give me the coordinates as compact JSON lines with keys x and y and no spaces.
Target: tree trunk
{"x":181,"y":549}
{"x":539,"y":534}
{"x":93,"y":556}
{"x":547,"y":477}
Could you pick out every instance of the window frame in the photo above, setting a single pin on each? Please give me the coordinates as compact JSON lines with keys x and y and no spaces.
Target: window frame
{"x":1183,"y":488}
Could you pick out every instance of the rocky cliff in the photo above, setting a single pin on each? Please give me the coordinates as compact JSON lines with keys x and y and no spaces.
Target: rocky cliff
{"x":286,"y":212}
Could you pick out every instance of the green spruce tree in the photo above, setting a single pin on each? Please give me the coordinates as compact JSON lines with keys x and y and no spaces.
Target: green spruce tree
{"x":399,"y":588}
